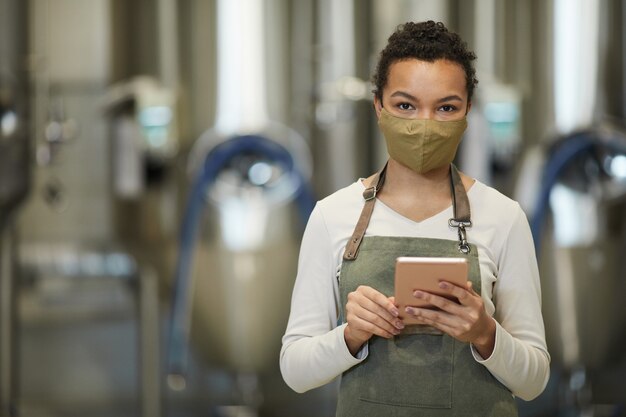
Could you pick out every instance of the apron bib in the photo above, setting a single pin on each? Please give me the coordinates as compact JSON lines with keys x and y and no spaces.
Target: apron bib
{"x":421,"y":372}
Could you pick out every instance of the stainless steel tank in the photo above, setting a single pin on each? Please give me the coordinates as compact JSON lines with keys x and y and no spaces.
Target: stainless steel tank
{"x":14,"y":178}
{"x":582,"y":248}
{"x":239,"y":277}
{"x":14,"y":143}
{"x":584,"y":242}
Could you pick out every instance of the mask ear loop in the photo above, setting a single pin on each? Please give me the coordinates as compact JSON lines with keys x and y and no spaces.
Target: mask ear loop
{"x":381,"y":104}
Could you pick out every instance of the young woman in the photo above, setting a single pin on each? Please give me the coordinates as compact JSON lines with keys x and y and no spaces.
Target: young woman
{"x":467,"y":358}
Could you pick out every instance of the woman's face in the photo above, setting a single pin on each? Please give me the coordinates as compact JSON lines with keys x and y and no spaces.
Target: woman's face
{"x":425,"y":90}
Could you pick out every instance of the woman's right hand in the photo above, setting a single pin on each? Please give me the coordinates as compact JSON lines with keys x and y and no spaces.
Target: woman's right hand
{"x":369,"y":313}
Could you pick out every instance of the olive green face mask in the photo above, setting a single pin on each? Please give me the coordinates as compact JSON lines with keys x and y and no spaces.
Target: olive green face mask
{"x":421,"y":144}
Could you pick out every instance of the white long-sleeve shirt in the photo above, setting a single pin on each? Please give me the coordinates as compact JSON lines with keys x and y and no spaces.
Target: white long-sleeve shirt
{"x":314,"y":350}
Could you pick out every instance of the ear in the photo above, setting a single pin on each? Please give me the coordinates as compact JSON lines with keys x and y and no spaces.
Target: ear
{"x":378,"y":106}
{"x":469,"y":107}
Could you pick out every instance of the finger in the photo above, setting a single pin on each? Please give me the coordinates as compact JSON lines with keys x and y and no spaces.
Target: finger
{"x":393,"y":325}
{"x":440,"y":302}
{"x":449,"y":330}
{"x":376,"y":309}
{"x":454,"y":326}
{"x":369,"y":327}
{"x":434,"y":316}
{"x":380,"y":299}
{"x":442,"y":321}
{"x":470,"y":288}
{"x":464,"y":295}
{"x":361,"y":306}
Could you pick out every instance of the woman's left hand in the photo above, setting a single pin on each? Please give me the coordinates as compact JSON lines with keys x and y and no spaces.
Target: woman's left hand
{"x":466,"y":320}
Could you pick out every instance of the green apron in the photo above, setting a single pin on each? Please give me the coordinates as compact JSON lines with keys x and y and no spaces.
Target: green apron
{"x":421,"y":372}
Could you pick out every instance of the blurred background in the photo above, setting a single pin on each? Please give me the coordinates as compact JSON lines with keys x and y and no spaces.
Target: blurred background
{"x":159,"y":159}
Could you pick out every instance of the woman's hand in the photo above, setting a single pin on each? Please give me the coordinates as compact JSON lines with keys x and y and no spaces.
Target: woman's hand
{"x":368,"y":313}
{"x":466,"y":320}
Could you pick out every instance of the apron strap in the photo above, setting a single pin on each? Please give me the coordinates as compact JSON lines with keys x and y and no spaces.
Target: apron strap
{"x":461,"y":209}
{"x":460,"y":202}
{"x":460,"y":206}
{"x":369,"y":195}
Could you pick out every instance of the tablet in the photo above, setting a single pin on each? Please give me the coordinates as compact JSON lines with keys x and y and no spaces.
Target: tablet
{"x":417,"y":273}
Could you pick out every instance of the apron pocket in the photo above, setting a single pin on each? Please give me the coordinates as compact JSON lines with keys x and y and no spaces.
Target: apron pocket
{"x":409,"y":371}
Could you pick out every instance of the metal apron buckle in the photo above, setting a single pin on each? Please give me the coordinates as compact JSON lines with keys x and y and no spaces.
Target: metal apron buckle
{"x":464,"y":247}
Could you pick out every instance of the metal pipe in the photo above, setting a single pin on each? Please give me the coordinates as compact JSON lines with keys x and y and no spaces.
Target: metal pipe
{"x":150,"y":357}
{"x":168,"y":43}
{"x":14,"y":179}
{"x":9,"y":26}
{"x":576,"y":58}
{"x":623,"y":72}
{"x":14,"y":143}
{"x":241,"y":53}
{"x":485,"y":15}
{"x":335,"y":115}
{"x":7,"y":325}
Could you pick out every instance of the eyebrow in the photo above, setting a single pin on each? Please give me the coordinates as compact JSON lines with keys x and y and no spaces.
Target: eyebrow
{"x":453,"y":97}
{"x":404,"y":94}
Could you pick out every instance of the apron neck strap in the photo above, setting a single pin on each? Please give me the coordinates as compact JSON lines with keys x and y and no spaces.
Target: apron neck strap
{"x":461,"y":209}
{"x":460,"y":202}
{"x":369,"y":195}
{"x":460,"y":205}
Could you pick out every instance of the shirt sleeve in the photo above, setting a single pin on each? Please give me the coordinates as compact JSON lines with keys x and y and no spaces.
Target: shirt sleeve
{"x":314,"y":350}
{"x":520,"y":358}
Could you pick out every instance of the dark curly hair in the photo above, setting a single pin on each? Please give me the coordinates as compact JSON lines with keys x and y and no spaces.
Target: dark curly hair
{"x":426,"y":41}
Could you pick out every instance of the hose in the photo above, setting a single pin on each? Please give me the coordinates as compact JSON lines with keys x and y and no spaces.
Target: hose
{"x":214,"y":162}
{"x":571,"y":147}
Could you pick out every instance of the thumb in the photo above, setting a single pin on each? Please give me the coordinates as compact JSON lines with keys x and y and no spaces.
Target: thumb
{"x":470,"y":287}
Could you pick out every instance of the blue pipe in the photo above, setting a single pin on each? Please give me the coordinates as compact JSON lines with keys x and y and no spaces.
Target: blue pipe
{"x":215,"y":161}
{"x":560,"y":158}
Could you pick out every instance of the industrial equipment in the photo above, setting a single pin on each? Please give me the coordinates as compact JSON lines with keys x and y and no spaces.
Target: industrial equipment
{"x":238,"y":239}
{"x":14,"y":181}
{"x":579,"y":228}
